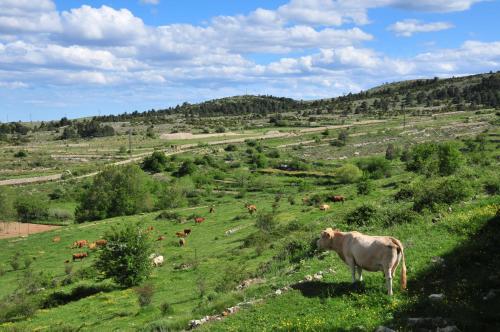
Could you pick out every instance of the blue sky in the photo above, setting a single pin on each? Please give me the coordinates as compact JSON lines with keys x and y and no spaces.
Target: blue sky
{"x":81,"y":58}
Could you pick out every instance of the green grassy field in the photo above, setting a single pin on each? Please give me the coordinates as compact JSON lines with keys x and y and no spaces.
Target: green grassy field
{"x":200,"y":279}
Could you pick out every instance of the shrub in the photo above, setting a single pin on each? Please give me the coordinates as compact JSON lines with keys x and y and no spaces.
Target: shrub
{"x":492,"y":186}
{"x":442,"y":191}
{"x":258,"y":160}
{"x":31,"y":208}
{"x":343,"y":135}
{"x":176,"y":194}
{"x":392,"y":152}
{"x":166,"y":309}
{"x":144,"y":294}
{"x":348,"y":173}
{"x":56,"y":194}
{"x":114,"y":192}
{"x":364,"y":187}
{"x":15,"y":261}
{"x":156,"y":163}
{"x":168,"y":215}
{"x":450,"y":158}
{"x":375,"y":167}
{"x":188,"y":167}
{"x":404,"y":193}
{"x":18,"y":306}
{"x":422,"y":158}
{"x":396,"y":215}
{"x":364,"y":215}
{"x":298,"y":249}
{"x":60,"y":214}
{"x":274,"y":153}
{"x":231,"y":147}
{"x":21,"y":154}
{"x":125,"y":258}
{"x":266,"y":222}
{"x":6,"y":202}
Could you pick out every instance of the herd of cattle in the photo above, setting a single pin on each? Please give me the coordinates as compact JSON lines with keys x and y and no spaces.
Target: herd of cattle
{"x":358,"y":251}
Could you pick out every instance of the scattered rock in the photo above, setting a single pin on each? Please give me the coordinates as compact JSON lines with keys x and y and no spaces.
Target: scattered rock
{"x":427,"y":322}
{"x":317,"y":277}
{"x":278,"y":292}
{"x":247,"y":283}
{"x":308,"y":277}
{"x":384,"y":329}
{"x":436,"y":297}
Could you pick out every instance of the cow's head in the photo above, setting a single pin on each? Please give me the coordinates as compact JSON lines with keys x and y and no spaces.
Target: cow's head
{"x":326,"y":238}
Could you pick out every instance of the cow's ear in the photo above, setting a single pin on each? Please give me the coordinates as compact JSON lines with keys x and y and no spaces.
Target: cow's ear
{"x":325,"y":235}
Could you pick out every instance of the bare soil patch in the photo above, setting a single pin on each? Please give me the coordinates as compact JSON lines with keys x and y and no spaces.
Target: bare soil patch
{"x":17,"y":229}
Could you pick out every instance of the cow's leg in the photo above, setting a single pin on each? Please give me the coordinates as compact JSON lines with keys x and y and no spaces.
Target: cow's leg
{"x":352,"y":265}
{"x":360,"y":272}
{"x":388,"y":280}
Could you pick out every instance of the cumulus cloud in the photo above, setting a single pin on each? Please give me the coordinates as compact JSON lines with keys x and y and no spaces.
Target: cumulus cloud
{"x":22,"y":16}
{"x":407,"y":28}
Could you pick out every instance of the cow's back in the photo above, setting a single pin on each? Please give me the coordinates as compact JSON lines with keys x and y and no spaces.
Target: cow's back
{"x":372,"y":253}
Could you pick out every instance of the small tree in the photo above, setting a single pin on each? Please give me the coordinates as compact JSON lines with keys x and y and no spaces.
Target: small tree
{"x":348,"y":173}
{"x":188,"y":167}
{"x":450,"y":159}
{"x":157,"y":162}
{"x":31,"y":208}
{"x":392,"y":152}
{"x":364,"y":187}
{"x":343,"y":135}
{"x":125,"y":258}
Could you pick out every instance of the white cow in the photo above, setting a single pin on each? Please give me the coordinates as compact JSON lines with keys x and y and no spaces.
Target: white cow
{"x":372,"y":253}
{"x":158,"y":261}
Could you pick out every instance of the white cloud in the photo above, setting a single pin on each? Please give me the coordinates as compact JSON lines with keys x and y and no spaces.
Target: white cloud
{"x":22,"y":16}
{"x":407,"y":28}
{"x":150,"y":2}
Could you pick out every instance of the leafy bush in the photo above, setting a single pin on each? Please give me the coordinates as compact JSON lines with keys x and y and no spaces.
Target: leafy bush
{"x":450,"y":158}
{"x":188,"y":167}
{"x":396,"y":215}
{"x":297,"y":249}
{"x":266,"y":222}
{"x":166,"y":309}
{"x":114,"y":192}
{"x":31,"y":208}
{"x":156,"y":163}
{"x":21,"y":154}
{"x":168,"y":215}
{"x":231,"y":147}
{"x":404,"y":193}
{"x":432,"y":158}
{"x":176,"y":194}
{"x":442,"y":191}
{"x":125,"y":258}
{"x":392,"y":152}
{"x":274,"y":153}
{"x":364,"y":215}
{"x":375,"y":167}
{"x":145,"y":294}
{"x":17,"y":306}
{"x":492,"y":186}
{"x":348,"y":173}
{"x":364,"y":187}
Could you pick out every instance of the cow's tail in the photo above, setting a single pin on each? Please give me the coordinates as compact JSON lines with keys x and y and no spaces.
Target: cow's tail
{"x":403,"y":263}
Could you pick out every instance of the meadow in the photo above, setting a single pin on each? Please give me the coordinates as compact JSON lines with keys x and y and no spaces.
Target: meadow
{"x":449,"y":244}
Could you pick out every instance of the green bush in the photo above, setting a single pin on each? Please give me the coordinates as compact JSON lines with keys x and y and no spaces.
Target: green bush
{"x":17,"y":306}
{"x":404,"y":193}
{"x":364,"y":187}
{"x":392,"y":152}
{"x":15,"y":261}
{"x":125,"y":258}
{"x":442,"y":191}
{"x":375,"y":167}
{"x":188,"y":167}
{"x":432,"y":158}
{"x":348,"y":173}
{"x":231,"y":147}
{"x":492,"y":186}
{"x":6,"y":203}
{"x":297,"y":249}
{"x":364,"y":215}
{"x":114,"y":192}
{"x":266,"y":222}
{"x":396,"y":215}
{"x":21,"y":154}
{"x":450,"y":158}
{"x":176,"y":194}
{"x":32,"y":208}
{"x":168,"y":215}
{"x":156,"y":163}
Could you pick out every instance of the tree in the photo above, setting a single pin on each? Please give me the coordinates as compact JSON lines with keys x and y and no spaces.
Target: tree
{"x":188,"y":167}
{"x":31,"y":208}
{"x":114,"y":192}
{"x":392,"y":152}
{"x":125,"y":257}
{"x":450,"y":158}
{"x":69,"y":133}
{"x":156,"y":163}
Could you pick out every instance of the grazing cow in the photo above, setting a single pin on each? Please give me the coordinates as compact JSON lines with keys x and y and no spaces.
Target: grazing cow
{"x":187,"y":231}
{"x":158,"y":261}
{"x":92,"y":245}
{"x":199,"y":220}
{"x":80,"y":243}
{"x":337,"y":198}
{"x":180,"y":234}
{"x":212,"y":209}
{"x":251,"y":208}
{"x":101,"y":242}
{"x":80,"y":255}
{"x":324,"y":207}
{"x":56,"y":239}
{"x":160,"y":238}
{"x":372,"y":253}
{"x":182,"y":242}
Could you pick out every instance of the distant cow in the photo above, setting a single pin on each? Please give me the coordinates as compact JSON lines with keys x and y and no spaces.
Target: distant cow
{"x":180,"y":234}
{"x":92,"y":245}
{"x":187,"y":231}
{"x":101,"y":242}
{"x":324,"y":207}
{"x":158,"y":261}
{"x":337,"y":198}
{"x":199,"y":220}
{"x":56,"y":239}
{"x":182,"y":242}
{"x":372,"y":253}
{"x":251,"y":208}
{"x":160,"y":238}
{"x":150,"y":228}
{"x":80,"y":255}
{"x":80,"y":243}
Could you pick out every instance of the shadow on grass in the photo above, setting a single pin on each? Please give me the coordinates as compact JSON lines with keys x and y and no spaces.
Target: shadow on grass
{"x":469,"y":277}
{"x":323,"y":289}
{"x":60,"y":298}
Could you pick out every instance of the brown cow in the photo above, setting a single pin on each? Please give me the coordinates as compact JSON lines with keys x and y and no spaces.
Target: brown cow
{"x":56,"y":239}
{"x":182,"y":242}
{"x":337,"y":198}
{"x":92,"y":245}
{"x":199,"y":220}
{"x":187,"y":231}
{"x":101,"y":242}
{"x":160,"y":238}
{"x":80,"y":243}
{"x":251,"y":208}
{"x":80,"y":255}
{"x":180,"y":234}
{"x":372,"y":253}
